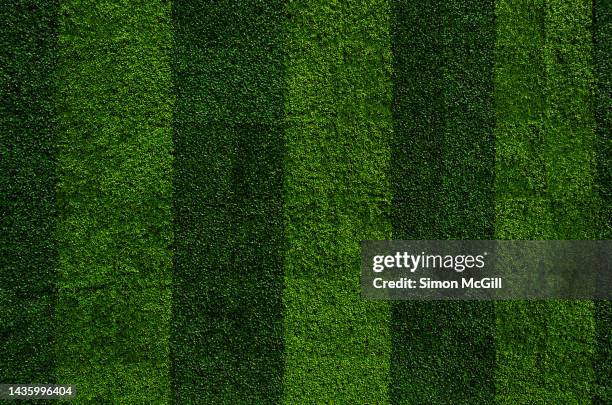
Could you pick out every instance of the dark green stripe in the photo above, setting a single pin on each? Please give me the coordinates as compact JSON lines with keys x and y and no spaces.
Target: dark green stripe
{"x":337,"y":194}
{"x":418,"y":118}
{"x":545,"y":172}
{"x":602,"y":48}
{"x":115,"y":200}
{"x":28,"y":55}
{"x":442,"y":179}
{"x":227,"y":342}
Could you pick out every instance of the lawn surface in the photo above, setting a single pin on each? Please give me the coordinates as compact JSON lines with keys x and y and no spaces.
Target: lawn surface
{"x":185,"y":185}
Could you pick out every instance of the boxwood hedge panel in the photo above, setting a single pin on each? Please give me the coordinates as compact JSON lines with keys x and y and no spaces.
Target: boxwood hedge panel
{"x":28,"y":56}
{"x":227,"y":336}
{"x":114,"y":200}
{"x":338,"y":100}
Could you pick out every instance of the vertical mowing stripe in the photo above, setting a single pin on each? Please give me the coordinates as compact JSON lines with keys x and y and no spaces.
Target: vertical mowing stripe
{"x":602,"y":47}
{"x":418,"y":122}
{"x":545,"y":172}
{"x":227,"y":330}
{"x":522,"y":211}
{"x":571,"y":175}
{"x":114,"y":200}
{"x":569,"y":120}
{"x":468,"y":153}
{"x":336,"y":194}
{"x":416,"y":166}
{"x":28,"y":55}
{"x":442,"y":177}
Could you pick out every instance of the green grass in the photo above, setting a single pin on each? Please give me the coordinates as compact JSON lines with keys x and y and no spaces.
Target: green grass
{"x":602,"y":46}
{"x":185,"y":185}
{"x":227,"y":340}
{"x":521,"y":189}
{"x":114,"y":200}
{"x":545,"y":163}
{"x":442,"y":179}
{"x":338,"y":95}
{"x":28,"y":44}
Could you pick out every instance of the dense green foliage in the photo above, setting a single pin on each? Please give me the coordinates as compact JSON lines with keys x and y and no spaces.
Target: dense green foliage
{"x":545,"y":172}
{"x":28,"y":38}
{"x":114,"y":200}
{"x":442,"y":179}
{"x":336,"y":194}
{"x":227,"y":340}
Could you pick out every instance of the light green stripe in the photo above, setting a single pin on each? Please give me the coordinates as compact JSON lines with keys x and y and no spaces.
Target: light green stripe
{"x":114,"y":199}
{"x":545,"y":171}
{"x":336,"y":194}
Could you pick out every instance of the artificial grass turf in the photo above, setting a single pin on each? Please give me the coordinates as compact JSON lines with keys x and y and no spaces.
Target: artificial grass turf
{"x":442,"y":180}
{"x":114,"y":200}
{"x":545,"y":172}
{"x":336,"y":188}
{"x":602,"y":69}
{"x":28,"y":50}
{"x":227,"y":340}
{"x":249,"y":77}
{"x":520,"y":189}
